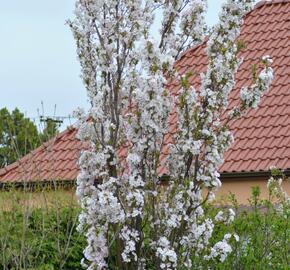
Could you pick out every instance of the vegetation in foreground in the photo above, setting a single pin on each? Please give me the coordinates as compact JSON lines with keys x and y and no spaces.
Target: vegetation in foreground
{"x":45,"y":237}
{"x":38,"y":230}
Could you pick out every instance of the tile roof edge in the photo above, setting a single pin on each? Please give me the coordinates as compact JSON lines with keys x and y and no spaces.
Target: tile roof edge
{"x":270,"y":2}
{"x":11,"y":166}
{"x":191,"y":49}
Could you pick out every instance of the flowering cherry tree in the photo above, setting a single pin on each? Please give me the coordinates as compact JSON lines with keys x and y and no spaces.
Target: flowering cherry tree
{"x":130,"y":220}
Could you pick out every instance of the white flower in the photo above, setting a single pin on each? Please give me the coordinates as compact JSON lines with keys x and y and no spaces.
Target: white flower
{"x":125,"y":71}
{"x":267,"y":59}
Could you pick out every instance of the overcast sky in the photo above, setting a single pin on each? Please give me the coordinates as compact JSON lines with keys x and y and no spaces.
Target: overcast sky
{"x":37,"y":56}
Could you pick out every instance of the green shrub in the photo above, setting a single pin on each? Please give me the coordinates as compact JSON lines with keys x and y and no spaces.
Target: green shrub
{"x":263,"y":239}
{"x":263,"y":230}
{"x":40,"y":239}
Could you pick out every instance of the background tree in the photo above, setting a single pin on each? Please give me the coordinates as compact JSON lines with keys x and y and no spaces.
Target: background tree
{"x":128,"y":222}
{"x":18,"y":136}
{"x":50,"y":130}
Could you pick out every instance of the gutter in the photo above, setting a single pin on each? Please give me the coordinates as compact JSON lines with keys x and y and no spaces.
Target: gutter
{"x":253,"y":174}
{"x":163,"y":180}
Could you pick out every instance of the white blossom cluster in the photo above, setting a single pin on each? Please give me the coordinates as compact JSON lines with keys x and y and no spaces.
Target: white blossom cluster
{"x":221,"y":249}
{"x":130,"y":237}
{"x":226,"y":218}
{"x":250,"y":97}
{"x":166,"y":254}
{"x":276,"y":192}
{"x":217,"y":84}
{"x":198,"y":236}
{"x":97,"y":249}
{"x":130,"y":220}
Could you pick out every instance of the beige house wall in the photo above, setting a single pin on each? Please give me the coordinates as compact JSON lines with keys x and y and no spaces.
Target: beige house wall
{"x":242,"y":187}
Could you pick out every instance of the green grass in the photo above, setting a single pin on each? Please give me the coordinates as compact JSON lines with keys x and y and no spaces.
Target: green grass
{"x":46,"y":198}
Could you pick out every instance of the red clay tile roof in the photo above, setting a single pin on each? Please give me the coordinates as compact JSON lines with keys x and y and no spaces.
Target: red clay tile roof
{"x":54,"y":160}
{"x":262,"y":136}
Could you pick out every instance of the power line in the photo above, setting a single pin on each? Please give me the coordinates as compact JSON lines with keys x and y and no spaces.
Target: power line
{"x":51,"y":119}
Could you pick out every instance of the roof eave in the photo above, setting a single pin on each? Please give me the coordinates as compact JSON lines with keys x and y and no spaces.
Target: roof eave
{"x":249,"y":175}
